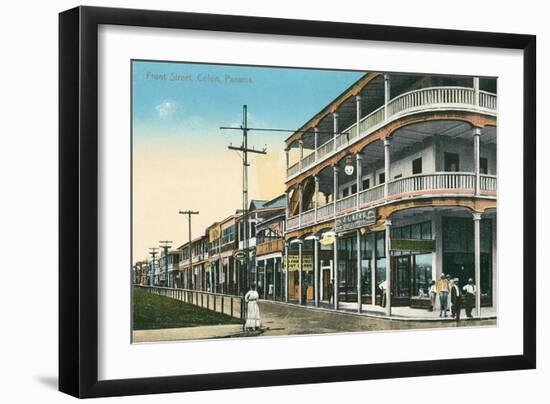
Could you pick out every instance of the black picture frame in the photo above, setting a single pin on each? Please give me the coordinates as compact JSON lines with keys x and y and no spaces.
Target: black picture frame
{"x":78,"y":200}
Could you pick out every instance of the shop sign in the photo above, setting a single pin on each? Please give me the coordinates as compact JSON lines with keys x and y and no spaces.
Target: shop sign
{"x":214,"y":232}
{"x":356,"y":220}
{"x":294,"y":262}
{"x":412,"y":245}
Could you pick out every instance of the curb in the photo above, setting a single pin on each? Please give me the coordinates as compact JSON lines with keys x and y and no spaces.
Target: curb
{"x":383,"y":316}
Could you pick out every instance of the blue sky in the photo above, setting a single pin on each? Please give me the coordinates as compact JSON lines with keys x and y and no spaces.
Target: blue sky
{"x":165,"y":109}
{"x":180,"y":156}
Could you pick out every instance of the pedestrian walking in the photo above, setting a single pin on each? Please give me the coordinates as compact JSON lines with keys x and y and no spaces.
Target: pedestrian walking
{"x":469,"y":297}
{"x":432,"y":293}
{"x":253,"y":310}
{"x":455,"y":299}
{"x":442,"y":289}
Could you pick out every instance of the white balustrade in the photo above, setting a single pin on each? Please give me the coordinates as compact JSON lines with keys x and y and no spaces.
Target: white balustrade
{"x":436,"y":97}
{"x":325,"y":212}
{"x":431,"y":95}
{"x":416,"y":185}
{"x":346,"y":204}
{"x":308,"y":160}
{"x":488,"y":183}
{"x":371,"y":120}
{"x":487,"y":100}
{"x":325,"y":148}
{"x":370,"y":195}
{"x":292,"y":222}
{"x":437,"y":181}
{"x":293,"y":169}
{"x":341,"y":140}
{"x":308,"y":216}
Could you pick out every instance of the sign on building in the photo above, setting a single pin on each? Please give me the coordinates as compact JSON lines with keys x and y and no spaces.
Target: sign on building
{"x":294,"y":262}
{"x":356,"y":220}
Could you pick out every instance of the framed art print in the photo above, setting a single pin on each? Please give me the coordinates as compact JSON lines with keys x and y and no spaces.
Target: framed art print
{"x":268,"y":201}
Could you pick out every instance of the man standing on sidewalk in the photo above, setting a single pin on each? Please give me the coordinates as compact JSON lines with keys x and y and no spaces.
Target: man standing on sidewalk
{"x":455,"y":300}
{"x":442,"y":289}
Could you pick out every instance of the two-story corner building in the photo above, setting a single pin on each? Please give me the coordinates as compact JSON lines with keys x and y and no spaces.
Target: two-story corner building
{"x":169,"y":267}
{"x":395,"y":180}
{"x":267,"y":249}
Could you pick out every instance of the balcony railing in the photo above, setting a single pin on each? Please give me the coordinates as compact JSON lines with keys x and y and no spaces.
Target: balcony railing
{"x":325,"y":212}
{"x":308,"y":217}
{"x":346,"y":204}
{"x":371,"y":195}
{"x":455,"y":183}
{"x":432,"y":182}
{"x":410,"y":102}
{"x":488,"y":183}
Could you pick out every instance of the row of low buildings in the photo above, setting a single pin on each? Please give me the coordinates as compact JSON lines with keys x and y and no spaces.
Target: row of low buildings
{"x":214,"y":261}
{"x":394,"y":181}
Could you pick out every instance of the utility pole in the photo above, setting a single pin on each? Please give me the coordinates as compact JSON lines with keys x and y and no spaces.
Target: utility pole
{"x":189,"y":213}
{"x":153,"y":252}
{"x":243,"y":148}
{"x":165,"y":245}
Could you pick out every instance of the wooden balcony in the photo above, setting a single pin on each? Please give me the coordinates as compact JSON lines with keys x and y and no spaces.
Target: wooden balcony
{"x":415,"y":186}
{"x":269,"y":247}
{"x":425,"y":99}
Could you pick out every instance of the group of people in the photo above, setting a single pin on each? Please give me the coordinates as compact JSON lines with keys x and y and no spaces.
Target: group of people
{"x":451,"y":296}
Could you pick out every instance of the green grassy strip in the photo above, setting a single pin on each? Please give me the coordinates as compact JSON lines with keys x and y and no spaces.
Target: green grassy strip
{"x":153,"y":312}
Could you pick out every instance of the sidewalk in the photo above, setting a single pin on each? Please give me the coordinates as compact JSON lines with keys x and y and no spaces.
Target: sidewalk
{"x":403,"y":313}
{"x":175,"y":334}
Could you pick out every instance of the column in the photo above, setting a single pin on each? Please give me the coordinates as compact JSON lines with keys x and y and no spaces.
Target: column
{"x":300,"y":206}
{"x":286,"y":273}
{"x":387,"y":225}
{"x":476,"y":133}
{"x":476,"y":90}
{"x":287,"y":157}
{"x":386,"y":94}
{"x":477,"y":261}
{"x":335,"y":124}
{"x":316,"y":269}
{"x":265,"y":279}
{"x":315,"y":140}
{"x":359,"y":274}
{"x":335,"y":188}
{"x":215,"y":280}
{"x":335,"y":272}
{"x":357,"y":112}
{"x":387,"y":170}
{"x":300,"y":272}
{"x":359,"y":172}
{"x":301,"y":145}
{"x":316,"y":197}
{"x":287,"y":204}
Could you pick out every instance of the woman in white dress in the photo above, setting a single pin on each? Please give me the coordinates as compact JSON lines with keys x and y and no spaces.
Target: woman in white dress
{"x":253,"y":311}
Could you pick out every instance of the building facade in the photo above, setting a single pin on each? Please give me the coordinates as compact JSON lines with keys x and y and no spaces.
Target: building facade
{"x":394,"y":181}
{"x":269,"y":247}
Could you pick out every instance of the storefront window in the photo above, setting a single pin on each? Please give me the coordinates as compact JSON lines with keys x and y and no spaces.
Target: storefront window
{"x":423,"y":274}
{"x":347,"y":268}
{"x":380,"y":273}
{"x":380,"y":244}
{"x":458,"y":248}
{"x":365,"y":277}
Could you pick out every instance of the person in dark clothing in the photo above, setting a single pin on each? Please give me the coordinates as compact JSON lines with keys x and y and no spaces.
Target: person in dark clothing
{"x":455,"y":300}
